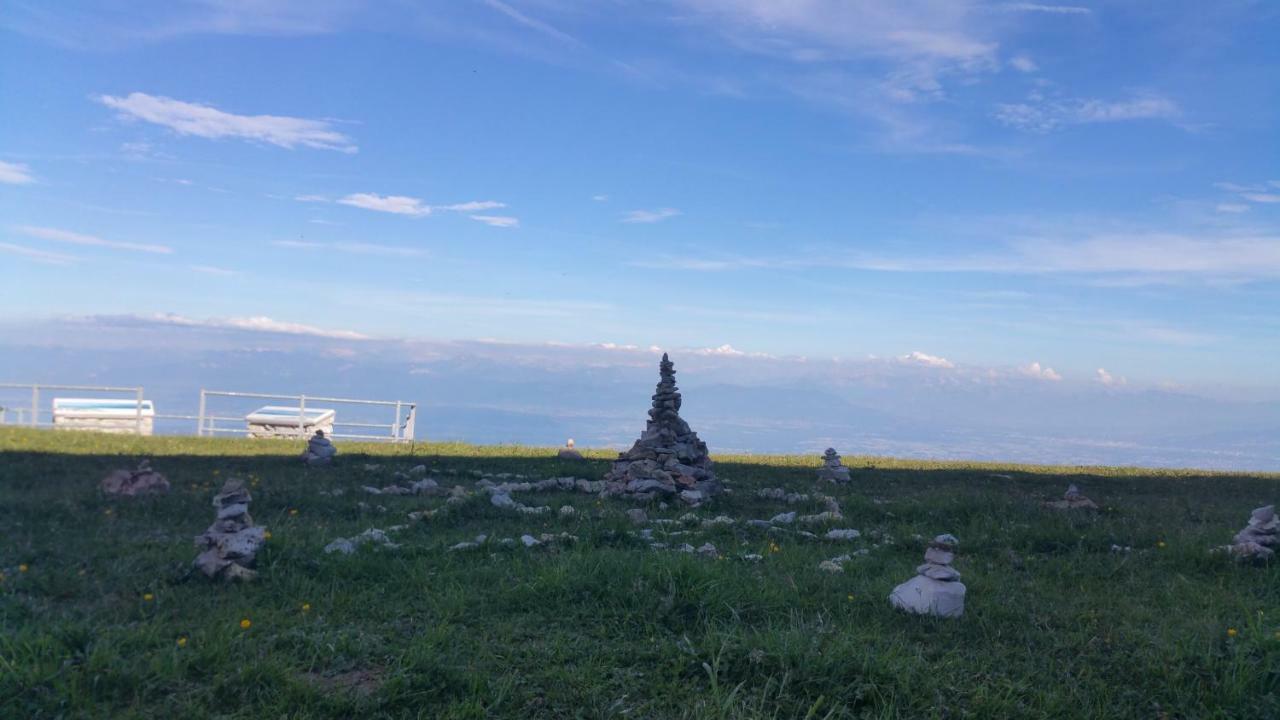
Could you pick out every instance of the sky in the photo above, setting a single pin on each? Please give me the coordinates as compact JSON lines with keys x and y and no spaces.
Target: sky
{"x":1084,"y":193}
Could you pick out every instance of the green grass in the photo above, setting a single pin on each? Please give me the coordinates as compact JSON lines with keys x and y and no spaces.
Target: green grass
{"x":1056,"y":625}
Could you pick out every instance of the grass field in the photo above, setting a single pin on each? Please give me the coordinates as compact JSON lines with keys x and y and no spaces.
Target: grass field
{"x":100,"y":616}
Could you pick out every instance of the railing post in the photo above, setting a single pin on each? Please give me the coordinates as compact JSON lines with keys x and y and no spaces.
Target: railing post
{"x":302,"y":415}
{"x":137,"y":418}
{"x":35,"y":405}
{"x":200,"y":416}
{"x":395,"y":423}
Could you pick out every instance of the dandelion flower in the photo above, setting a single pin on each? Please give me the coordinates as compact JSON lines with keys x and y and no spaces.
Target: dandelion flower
{"x":245,"y":624}
{"x":107,"y":511}
{"x":1231,"y":632}
{"x":148,"y":597}
{"x":851,"y":596}
{"x":23,"y":567}
{"x":1160,"y":544}
{"x":266,"y":534}
{"x":306,"y":607}
{"x":182,"y":641}
{"x":293,"y":511}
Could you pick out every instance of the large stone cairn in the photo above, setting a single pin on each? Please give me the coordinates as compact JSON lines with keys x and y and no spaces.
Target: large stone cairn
{"x":229,"y":545}
{"x":143,"y":481}
{"x":668,"y":459}
{"x":1073,"y":499}
{"x":936,"y":589}
{"x":832,"y":469}
{"x":1259,"y":538}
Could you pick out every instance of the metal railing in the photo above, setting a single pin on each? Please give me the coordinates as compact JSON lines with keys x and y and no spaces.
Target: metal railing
{"x":399,"y":430}
{"x":32,"y":416}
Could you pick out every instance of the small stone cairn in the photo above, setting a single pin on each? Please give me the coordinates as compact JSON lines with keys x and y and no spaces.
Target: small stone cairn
{"x":1259,"y":538}
{"x":320,"y":451}
{"x":668,"y":459}
{"x":229,"y":545}
{"x":568,"y":453}
{"x":143,"y":481}
{"x":936,"y":589}
{"x":1073,"y":499}
{"x":832,"y":469}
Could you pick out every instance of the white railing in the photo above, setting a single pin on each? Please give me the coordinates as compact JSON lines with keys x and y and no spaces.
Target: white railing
{"x":400,"y":429}
{"x":31,"y":416}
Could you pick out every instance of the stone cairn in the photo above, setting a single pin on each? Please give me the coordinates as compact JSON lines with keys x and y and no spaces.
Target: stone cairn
{"x":229,"y":545}
{"x":1259,"y":538}
{"x":936,"y":589}
{"x":832,"y":469}
{"x":568,"y":453}
{"x":668,"y":459}
{"x":1073,"y":499}
{"x":143,"y":481}
{"x":320,"y":451}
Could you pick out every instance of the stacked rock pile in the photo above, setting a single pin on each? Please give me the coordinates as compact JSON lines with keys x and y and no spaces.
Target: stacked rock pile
{"x":1259,"y":538}
{"x":568,"y":452}
{"x":668,"y":459}
{"x":936,"y":589}
{"x":230,"y":544}
{"x":143,"y":481}
{"x":1072,"y":499}
{"x":832,"y":469}
{"x":320,"y":451}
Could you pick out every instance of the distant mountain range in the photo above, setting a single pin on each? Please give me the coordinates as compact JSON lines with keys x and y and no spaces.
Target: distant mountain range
{"x":542,"y":394}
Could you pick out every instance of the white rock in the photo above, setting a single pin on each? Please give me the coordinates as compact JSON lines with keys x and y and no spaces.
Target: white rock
{"x":783,"y":518}
{"x":848,"y":534}
{"x":830,"y":566}
{"x":567,"y":511}
{"x":341,"y":545}
{"x":926,"y":596}
{"x":503,"y":500}
{"x":529,"y":540}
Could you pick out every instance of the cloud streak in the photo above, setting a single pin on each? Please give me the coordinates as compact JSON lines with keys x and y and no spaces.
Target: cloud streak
{"x":650,"y":216}
{"x":49,"y":258}
{"x":74,"y":238}
{"x":15,"y":174}
{"x":354,"y":248}
{"x":1043,"y":116}
{"x":205,"y":121}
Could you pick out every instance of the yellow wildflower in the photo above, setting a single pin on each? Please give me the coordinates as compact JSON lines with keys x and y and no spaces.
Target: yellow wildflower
{"x":306,"y":607}
{"x":1231,"y":632}
{"x":293,"y":511}
{"x":23,"y":567}
{"x":148,"y":597}
{"x":1160,"y":544}
{"x":182,"y":641}
{"x":266,"y":534}
{"x":245,"y":624}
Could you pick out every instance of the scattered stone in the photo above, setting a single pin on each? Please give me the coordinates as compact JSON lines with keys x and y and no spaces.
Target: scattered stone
{"x":762,"y":524}
{"x":936,"y":589}
{"x":567,"y":511}
{"x":753,"y":557}
{"x":708,"y":550}
{"x":1259,"y":538}
{"x":783,"y":518}
{"x":371,"y":489}
{"x":637,"y":516}
{"x":469,"y":544}
{"x":504,"y":501}
{"x":372,"y":536}
{"x":830,"y":566}
{"x":418,"y":470}
{"x":717,"y":521}
{"x":320,"y":451}
{"x":822,"y":517}
{"x":372,"y":467}
{"x":142,"y":481}
{"x":426,"y":486}
{"x":780,"y":494}
{"x":1121,"y":549}
{"x":568,"y":453}
{"x":530,"y":541}
{"x":849,"y":534}
{"x":832,"y":469}
{"x":229,"y":545}
{"x":341,"y":545}
{"x":1072,"y":500}
{"x":668,"y":459}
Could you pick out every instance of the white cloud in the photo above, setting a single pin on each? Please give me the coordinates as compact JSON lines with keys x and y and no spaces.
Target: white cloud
{"x":209,"y":122}
{"x":1108,"y":379}
{"x":257,"y":323}
{"x":920,"y":358}
{"x":600,"y":198}
{"x":73,"y":238}
{"x":355,"y":248}
{"x":1041,"y":115}
{"x":1036,"y":370}
{"x":396,"y":204}
{"x":311,"y":198}
{"x":496,"y":220}
{"x":472,"y":206}
{"x":1262,"y":197}
{"x":1048,"y":9}
{"x":531,"y":22}
{"x":214,"y":270}
{"x":38,"y":255}
{"x":1232,"y":207}
{"x":15,"y":174}
{"x":724,"y":350}
{"x":650,"y":216}
{"x":1022,"y":63}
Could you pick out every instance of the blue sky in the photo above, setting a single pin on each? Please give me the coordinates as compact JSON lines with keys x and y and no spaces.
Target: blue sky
{"x":1052,"y":189}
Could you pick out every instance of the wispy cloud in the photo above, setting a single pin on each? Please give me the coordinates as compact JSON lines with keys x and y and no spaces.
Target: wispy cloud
{"x":1262,"y":197}
{"x":43,"y":256}
{"x":1045,"y":115}
{"x":600,"y":198}
{"x":532,"y":22}
{"x":74,"y":238}
{"x":354,"y":248}
{"x":395,"y":204}
{"x":15,"y":174}
{"x":496,"y":220}
{"x":206,"y":121}
{"x":921,"y":358}
{"x":1047,"y":9}
{"x":471,"y":206}
{"x":1108,"y":379}
{"x":650,"y":216}
{"x":1022,"y":63}
{"x":256,"y":323}
{"x":214,"y":270}
{"x":1232,"y":207}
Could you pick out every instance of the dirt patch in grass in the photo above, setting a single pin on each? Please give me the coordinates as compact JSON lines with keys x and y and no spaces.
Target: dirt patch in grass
{"x":361,"y":683}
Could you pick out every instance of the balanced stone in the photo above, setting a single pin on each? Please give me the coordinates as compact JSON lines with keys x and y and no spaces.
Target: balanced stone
{"x":668,"y":459}
{"x":1073,"y":499}
{"x":568,"y":453}
{"x":832,"y":469}
{"x":229,"y":545}
{"x":1260,"y":537}
{"x":320,"y":451}
{"x":936,"y":589}
{"x":143,"y":481}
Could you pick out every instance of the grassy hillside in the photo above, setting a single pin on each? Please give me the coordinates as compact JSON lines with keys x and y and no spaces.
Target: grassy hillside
{"x":106,"y":620}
